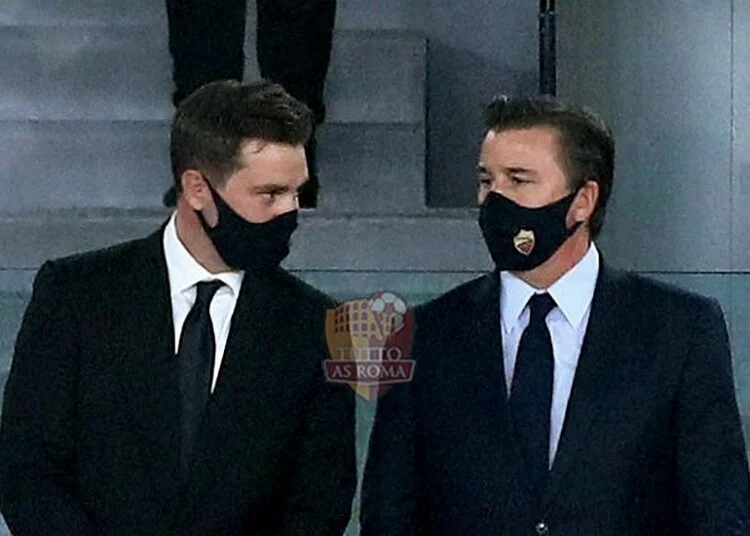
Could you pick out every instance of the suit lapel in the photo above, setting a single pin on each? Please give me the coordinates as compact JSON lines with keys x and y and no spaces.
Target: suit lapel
{"x":143,"y":306}
{"x":486,"y":339}
{"x":484,"y":348}
{"x":251,"y":330}
{"x":153,"y":322}
{"x":154,"y":334}
{"x":603,"y":355}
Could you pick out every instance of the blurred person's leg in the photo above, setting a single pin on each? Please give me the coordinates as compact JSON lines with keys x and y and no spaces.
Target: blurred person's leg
{"x":206,"y":41}
{"x":294,"y":49}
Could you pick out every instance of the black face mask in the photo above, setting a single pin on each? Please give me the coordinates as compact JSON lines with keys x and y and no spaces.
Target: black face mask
{"x":521,"y":238}
{"x":244,"y":245}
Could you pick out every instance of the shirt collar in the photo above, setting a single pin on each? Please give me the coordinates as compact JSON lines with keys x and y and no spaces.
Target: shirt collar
{"x":573,"y":292}
{"x":184,"y":271}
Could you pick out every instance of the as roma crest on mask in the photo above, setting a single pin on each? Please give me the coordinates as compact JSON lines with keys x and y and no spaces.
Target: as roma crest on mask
{"x":369,"y":340}
{"x":524,"y":242}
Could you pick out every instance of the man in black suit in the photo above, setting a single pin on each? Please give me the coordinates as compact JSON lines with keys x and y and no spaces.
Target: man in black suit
{"x":293,"y":48}
{"x":173,"y":385}
{"x":558,"y":395}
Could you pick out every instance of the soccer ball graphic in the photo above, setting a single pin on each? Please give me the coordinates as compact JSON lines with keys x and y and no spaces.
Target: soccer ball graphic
{"x":391,"y":310}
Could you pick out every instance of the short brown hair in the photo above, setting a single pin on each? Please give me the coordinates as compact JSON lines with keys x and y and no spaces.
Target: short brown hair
{"x":211,"y":125}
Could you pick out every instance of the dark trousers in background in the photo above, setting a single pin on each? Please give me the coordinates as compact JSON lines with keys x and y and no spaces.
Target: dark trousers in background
{"x":206,"y":39}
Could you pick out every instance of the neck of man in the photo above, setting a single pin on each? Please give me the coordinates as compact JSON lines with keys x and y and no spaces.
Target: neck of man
{"x":192,"y":235}
{"x":561,"y":262}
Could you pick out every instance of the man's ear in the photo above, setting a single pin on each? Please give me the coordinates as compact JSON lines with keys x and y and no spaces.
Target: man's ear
{"x":584,"y":203}
{"x":195,"y":190}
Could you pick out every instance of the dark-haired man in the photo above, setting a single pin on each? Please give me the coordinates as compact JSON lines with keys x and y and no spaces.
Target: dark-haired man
{"x":557,"y":395}
{"x":173,"y":385}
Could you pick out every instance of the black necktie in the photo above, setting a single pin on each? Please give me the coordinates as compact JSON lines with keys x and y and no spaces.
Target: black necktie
{"x":531,"y":394}
{"x":196,"y":355}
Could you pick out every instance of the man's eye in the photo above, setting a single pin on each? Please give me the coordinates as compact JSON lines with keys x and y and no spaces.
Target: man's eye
{"x":270,"y":196}
{"x":484,"y":182}
{"x":518,"y":180}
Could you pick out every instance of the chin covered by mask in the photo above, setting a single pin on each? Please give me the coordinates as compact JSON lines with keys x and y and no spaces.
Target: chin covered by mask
{"x":521,"y":238}
{"x":244,"y":245}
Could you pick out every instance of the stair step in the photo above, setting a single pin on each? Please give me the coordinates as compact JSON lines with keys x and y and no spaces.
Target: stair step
{"x":372,"y":168}
{"x":124,"y":73}
{"x":83,"y":13}
{"x":66,"y":164}
{"x":125,"y":164}
{"x":438,"y":241}
{"x":384,"y":14}
{"x":377,"y":76}
{"x":394,"y":14}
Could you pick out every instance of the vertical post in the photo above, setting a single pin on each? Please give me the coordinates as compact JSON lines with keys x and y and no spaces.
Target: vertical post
{"x":547,"y":48}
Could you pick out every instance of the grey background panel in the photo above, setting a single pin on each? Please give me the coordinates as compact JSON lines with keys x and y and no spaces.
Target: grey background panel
{"x":372,"y":168}
{"x":741,"y":144}
{"x":69,"y":164}
{"x":671,"y":210}
{"x":17,"y":280}
{"x":82,"y":73}
{"x":740,"y":326}
{"x":385,"y":14}
{"x":12,"y":306}
{"x":477,"y":48}
{"x":83,"y":12}
{"x":392,"y":14}
{"x":375,"y":76}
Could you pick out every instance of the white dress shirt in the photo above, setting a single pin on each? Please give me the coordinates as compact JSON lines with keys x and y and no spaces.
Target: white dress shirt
{"x":567,"y":323}
{"x":184,"y":273}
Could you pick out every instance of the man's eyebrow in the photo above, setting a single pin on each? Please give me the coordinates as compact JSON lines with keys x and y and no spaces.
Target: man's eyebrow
{"x":271,"y":187}
{"x":520,"y":171}
{"x":481,"y":168}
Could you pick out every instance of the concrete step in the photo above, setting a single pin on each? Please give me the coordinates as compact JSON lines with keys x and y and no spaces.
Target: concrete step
{"x":125,"y":164}
{"x":436,"y":241}
{"x":82,"y":13}
{"x":123,"y":73}
{"x":375,"y":168}
{"x":65,"y":164}
{"x":377,"y":76}
{"x":384,"y":14}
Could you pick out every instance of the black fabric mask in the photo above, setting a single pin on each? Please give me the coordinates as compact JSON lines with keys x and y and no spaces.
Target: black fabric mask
{"x":521,"y":238}
{"x":244,"y":245}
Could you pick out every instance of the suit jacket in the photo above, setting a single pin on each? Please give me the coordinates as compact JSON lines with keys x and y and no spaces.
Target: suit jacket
{"x":651,"y":445}
{"x":90,"y":438}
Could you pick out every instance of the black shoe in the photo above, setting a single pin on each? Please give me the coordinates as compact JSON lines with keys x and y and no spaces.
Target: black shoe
{"x":169,"y":199}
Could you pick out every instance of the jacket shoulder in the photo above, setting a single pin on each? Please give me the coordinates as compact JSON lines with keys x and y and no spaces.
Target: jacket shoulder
{"x":459,"y":297}
{"x":653,"y":293}
{"x":106,"y":262}
{"x":302,"y":291}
